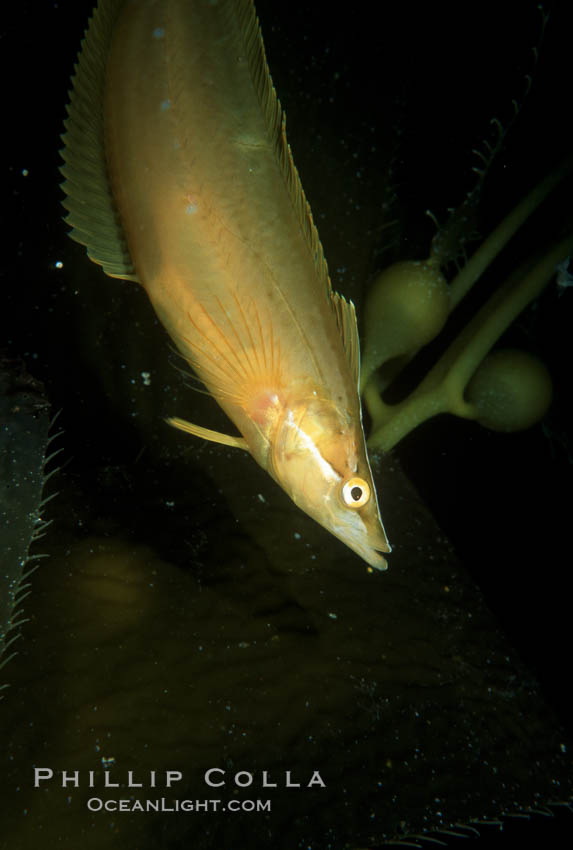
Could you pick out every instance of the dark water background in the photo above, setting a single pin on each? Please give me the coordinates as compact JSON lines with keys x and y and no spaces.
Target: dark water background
{"x":384,"y":107}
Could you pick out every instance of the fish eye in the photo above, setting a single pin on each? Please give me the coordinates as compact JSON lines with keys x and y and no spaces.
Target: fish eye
{"x":355,"y":492}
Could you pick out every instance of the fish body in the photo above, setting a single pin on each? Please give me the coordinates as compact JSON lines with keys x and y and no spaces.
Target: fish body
{"x":202,"y":205}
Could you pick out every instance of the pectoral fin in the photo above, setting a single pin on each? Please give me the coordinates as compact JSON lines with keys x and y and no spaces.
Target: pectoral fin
{"x":207,"y":434}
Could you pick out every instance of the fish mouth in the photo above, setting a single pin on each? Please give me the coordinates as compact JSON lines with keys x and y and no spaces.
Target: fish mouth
{"x":371,"y":546}
{"x":373,"y":557}
{"x":376,"y":543}
{"x":368,"y":550}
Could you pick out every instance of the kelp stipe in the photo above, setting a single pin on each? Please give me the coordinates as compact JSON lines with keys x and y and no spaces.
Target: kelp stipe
{"x":409,"y":304}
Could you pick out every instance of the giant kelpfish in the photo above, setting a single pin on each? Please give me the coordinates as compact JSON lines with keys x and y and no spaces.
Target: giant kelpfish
{"x":179,"y":176}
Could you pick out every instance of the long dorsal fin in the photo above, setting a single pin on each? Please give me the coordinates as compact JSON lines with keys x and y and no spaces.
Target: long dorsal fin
{"x":92,"y":213}
{"x":348,"y":326}
{"x":207,"y":434}
{"x":276,"y":123}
